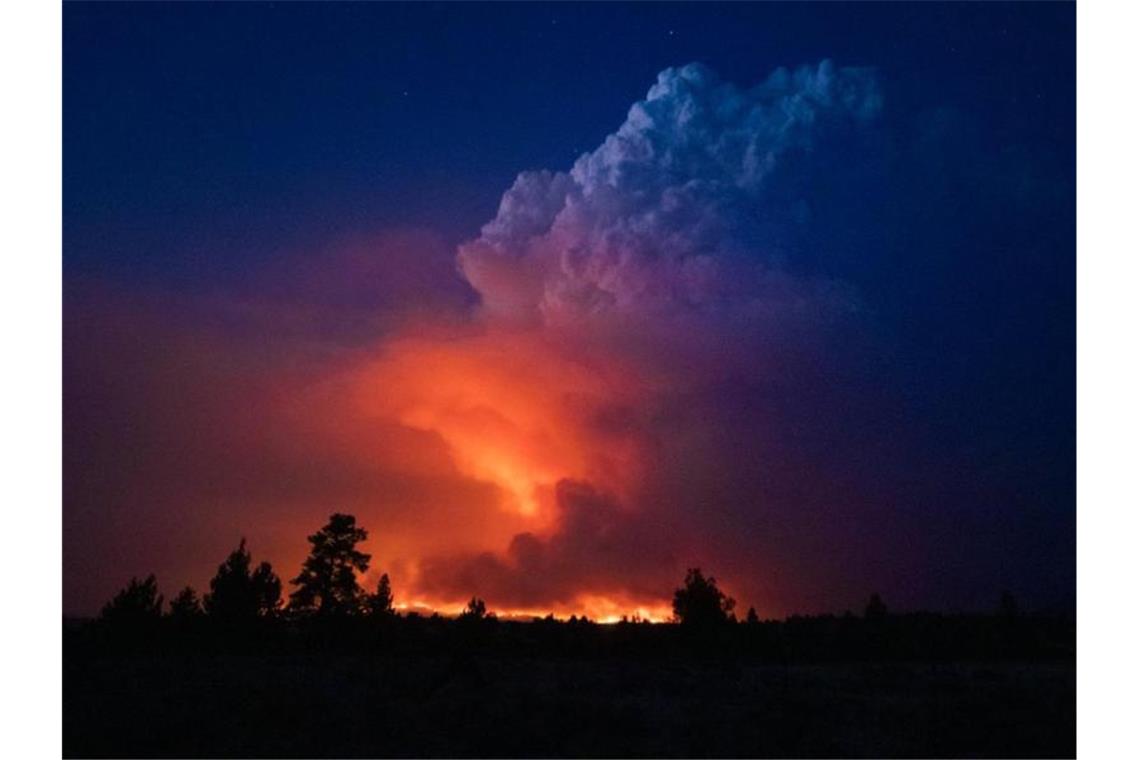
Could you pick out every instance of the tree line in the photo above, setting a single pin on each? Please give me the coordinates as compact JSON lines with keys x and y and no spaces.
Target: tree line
{"x":327,"y":585}
{"x":327,"y":588}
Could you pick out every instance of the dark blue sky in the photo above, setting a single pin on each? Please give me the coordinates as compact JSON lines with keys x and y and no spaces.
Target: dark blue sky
{"x":195,"y":128}
{"x":204,"y":140}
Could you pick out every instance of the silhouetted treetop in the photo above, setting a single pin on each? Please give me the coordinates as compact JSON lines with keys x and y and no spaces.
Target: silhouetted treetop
{"x":327,"y":583}
{"x":266,"y":589}
{"x":185,"y":605}
{"x":1007,"y":606}
{"x":380,"y":603}
{"x":476,"y":609}
{"x":875,"y":608}
{"x":699,"y":602}
{"x":236,"y":594}
{"x":138,"y":603}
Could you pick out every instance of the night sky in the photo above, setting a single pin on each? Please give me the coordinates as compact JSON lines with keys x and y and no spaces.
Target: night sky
{"x":560,"y":300}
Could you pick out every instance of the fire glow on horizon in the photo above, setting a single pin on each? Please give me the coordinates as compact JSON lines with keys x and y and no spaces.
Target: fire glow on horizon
{"x":602,"y":610}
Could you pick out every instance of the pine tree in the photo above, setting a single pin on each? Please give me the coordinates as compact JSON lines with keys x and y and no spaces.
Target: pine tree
{"x":327,"y":584}
{"x":476,"y":609}
{"x":185,"y":606}
{"x":138,"y":604}
{"x":699,"y":602}
{"x":236,"y":594}
{"x":380,"y":603}
{"x":876,"y":609}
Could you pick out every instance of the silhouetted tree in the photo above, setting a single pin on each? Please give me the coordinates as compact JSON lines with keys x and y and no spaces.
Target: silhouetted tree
{"x":380,"y":603}
{"x":327,"y":583}
{"x":700,"y":603}
{"x":476,"y":609}
{"x":266,"y":589}
{"x":185,"y":606}
{"x":752,"y":618}
{"x":1008,"y":605}
{"x":138,"y":604}
{"x":236,"y":594}
{"x":875,"y":608}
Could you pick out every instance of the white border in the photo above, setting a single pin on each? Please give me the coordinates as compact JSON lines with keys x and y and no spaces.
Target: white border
{"x":1108,"y":128}
{"x":30,"y":400}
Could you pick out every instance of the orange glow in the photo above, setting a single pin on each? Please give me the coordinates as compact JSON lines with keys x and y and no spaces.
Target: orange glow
{"x":507,"y":409}
{"x":600,"y":609}
{"x":446,"y":438}
{"x":504,"y":405}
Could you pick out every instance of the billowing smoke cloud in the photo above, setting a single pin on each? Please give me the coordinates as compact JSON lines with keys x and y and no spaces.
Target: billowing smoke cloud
{"x":647,"y":380}
{"x":591,"y":548}
{"x":673,"y":211}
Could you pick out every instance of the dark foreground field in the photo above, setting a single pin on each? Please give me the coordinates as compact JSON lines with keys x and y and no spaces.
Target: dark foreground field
{"x":899,"y":687}
{"x":324,"y":705}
